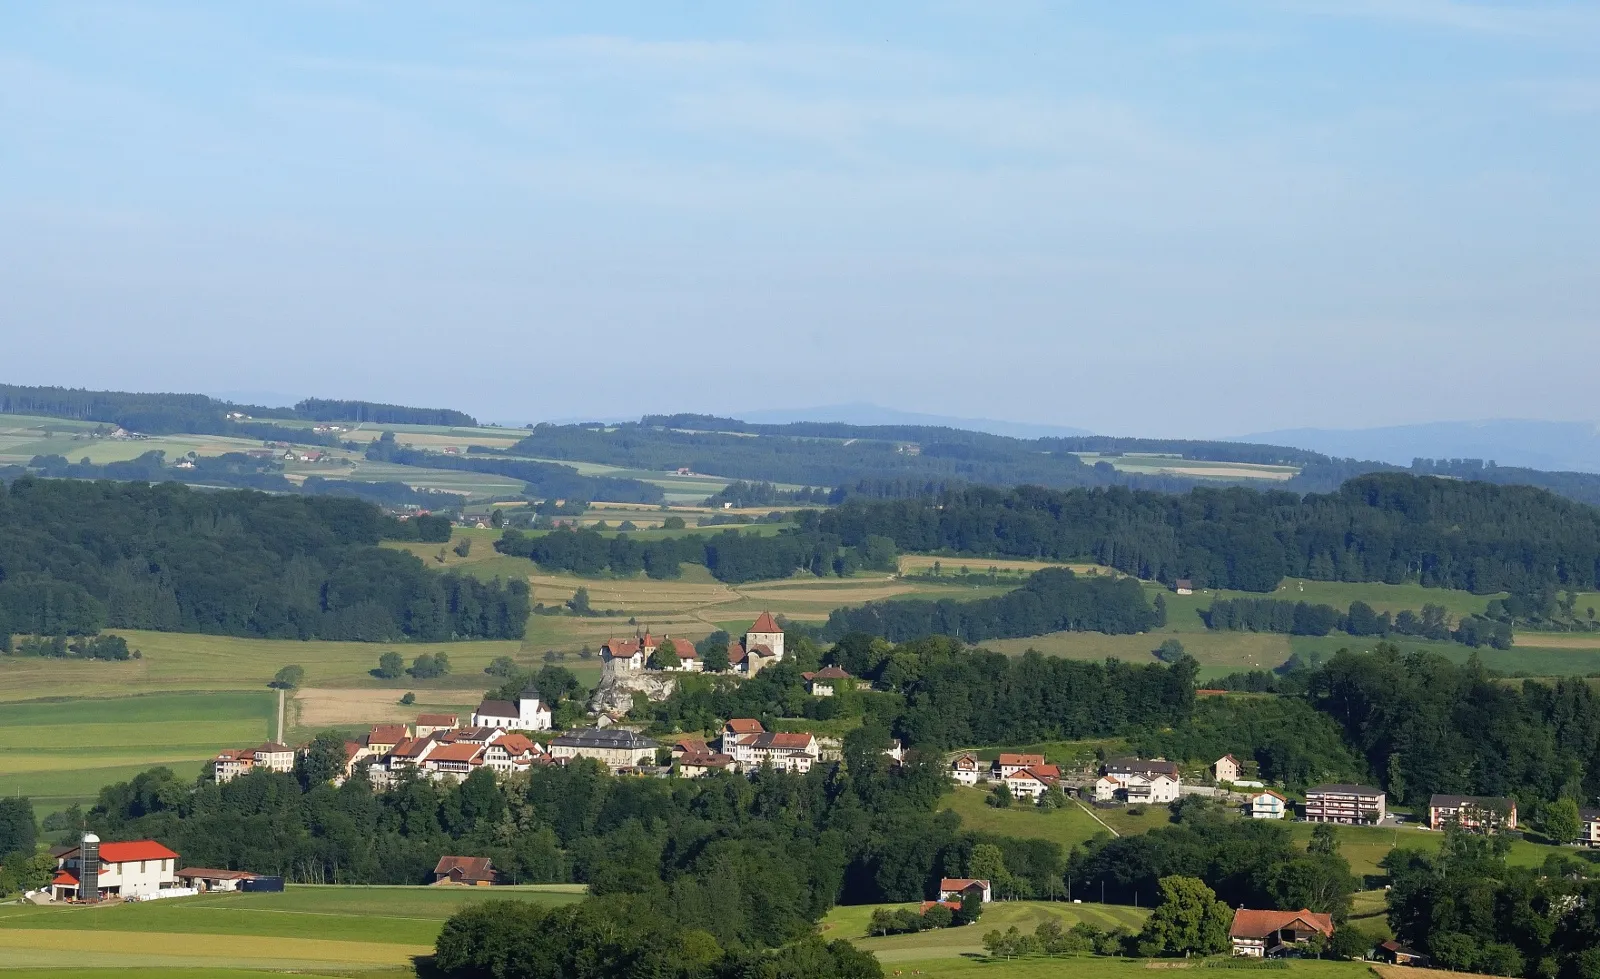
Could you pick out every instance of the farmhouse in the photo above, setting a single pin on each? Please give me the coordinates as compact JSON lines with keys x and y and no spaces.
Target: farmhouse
{"x":472,"y":871}
{"x":1009,"y":762}
{"x":616,"y":748}
{"x":527,"y":714}
{"x":695,"y":764}
{"x":1472,"y":812}
{"x":1183,"y":586}
{"x":823,"y":682}
{"x":628,"y":655}
{"x":965,"y":768}
{"x":1268,"y":805}
{"x":1226,"y":769}
{"x":1264,"y":934}
{"x":1341,"y":803}
{"x":955,"y":888}
{"x":121,"y":870}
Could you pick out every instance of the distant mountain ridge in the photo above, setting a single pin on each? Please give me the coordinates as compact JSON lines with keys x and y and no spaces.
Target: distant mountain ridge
{"x":862,"y":413}
{"x":1547,"y":445}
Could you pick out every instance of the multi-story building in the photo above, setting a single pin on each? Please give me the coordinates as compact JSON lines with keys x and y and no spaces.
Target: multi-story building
{"x":1268,"y":805}
{"x":1355,"y":805}
{"x":529,"y":713}
{"x":126,"y":870}
{"x":965,"y":768}
{"x":230,"y":763}
{"x":275,"y":757}
{"x":1590,"y":833}
{"x":1009,"y":762}
{"x":615,"y":747}
{"x":1487,"y":813}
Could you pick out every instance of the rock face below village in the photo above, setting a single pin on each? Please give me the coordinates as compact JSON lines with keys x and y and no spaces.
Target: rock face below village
{"x":614,"y":693}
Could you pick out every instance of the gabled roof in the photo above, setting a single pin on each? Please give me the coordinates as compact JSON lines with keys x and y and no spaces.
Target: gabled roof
{"x":827,"y":673}
{"x":467,"y":868}
{"x":1227,"y":757}
{"x":1271,"y":793}
{"x":683,"y":647}
{"x":64,"y":879}
{"x":497,"y":708}
{"x":1260,"y":924}
{"x":1039,"y":773}
{"x":1009,"y":758}
{"x":207,"y":873}
{"x":386,"y":734}
{"x":961,"y":883}
{"x":273,"y":747}
{"x":783,"y":740}
{"x":438,"y":720}
{"x":465,"y":752}
{"x":620,"y":648}
{"x":765,"y":623}
{"x":516,"y":744}
{"x":706,"y":759}
{"x":1142,"y":766}
{"x":744,"y":725}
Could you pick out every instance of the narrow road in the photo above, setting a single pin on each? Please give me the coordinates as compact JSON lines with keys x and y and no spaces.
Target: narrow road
{"x":1097,"y":819}
{"x":280,"y":716}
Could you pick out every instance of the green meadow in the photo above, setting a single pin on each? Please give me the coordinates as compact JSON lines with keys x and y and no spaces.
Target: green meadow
{"x":375,"y":932}
{"x":61,"y":751}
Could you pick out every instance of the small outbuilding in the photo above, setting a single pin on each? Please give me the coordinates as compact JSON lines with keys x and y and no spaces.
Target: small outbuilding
{"x":471,"y":871}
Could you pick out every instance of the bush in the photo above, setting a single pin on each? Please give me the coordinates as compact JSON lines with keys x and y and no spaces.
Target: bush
{"x":408,"y":698}
{"x":288,"y":678}
{"x":430,"y":666}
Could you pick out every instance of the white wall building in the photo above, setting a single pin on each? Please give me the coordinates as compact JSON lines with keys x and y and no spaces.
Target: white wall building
{"x":1268,"y":805}
{"x":529,"y":713}
{"x":125,"y":869}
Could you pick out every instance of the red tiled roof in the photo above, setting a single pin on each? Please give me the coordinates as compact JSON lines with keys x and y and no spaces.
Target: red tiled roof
{"x":683,"y":647}
{"x":135,"y":850}
{"x":621,"y":648}
{"x":438,"y":720}
{"x":961,"y":884}
{"x":64,"y":879}
{"x":759,"y":649}
{"x":1007,"y":758}
{"x":1260,"y":924}
{"x":516,"y":744}
{"x":745,"y":725}
{"x":952,"y":905}
{"x":765,"y":623}
{"x":464,"y":752}
{"x":209,"y":874}
{"x":1042,"y":773}
{"x":386,"y":734}
{"x":781,"y":739}
{"x":273,"y":747}
{"x":827,"y":673}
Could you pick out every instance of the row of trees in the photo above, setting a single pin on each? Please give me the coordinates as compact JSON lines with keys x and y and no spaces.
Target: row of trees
{"x":1051,"y":600}
{"x":730,"y":555}
{"x":76,"y":557}
{"x":1306,"y":619}
{"x":1384,"y":527}
{"x":103,"y":647}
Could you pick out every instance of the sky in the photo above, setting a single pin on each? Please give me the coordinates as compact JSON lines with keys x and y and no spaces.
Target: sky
{"x":1173,"y":219}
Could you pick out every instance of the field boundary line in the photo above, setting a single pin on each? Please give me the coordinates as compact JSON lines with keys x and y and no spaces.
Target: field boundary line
{"x":324,"y":914}
{"x":1097,"y":819}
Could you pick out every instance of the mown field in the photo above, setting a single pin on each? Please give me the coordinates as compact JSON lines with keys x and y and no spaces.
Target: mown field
{"x":851,"y":923}
{"x":62,"y":750}
{"x":371,"y":931}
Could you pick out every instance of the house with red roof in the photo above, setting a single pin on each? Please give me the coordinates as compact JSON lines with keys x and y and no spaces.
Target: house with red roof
{"x":785,"y":751}
{"x":131,"y":869}
{"x":823,"y":682}
{"x":429,"y":723}
{"x":230,"y":763}
{"x":454,"y":761}
{"x":955,"y":888}
{"x":512,"y":753}
{"x":761,"y":646}
{"x":702,"y":762}
{"x":1265,"y":934}
{"x":964,"y":768}
{"x":1033,"y":781}
{"x":1268,"y":805}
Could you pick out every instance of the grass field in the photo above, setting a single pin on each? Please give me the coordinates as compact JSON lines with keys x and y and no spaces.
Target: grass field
{"x":1070,"y":826}
{"x":337,"y":929}
{"x":61,"y":751}
{"x":851,"y":922}
{"x":973,"y":966}
{"x":1172,"y":465}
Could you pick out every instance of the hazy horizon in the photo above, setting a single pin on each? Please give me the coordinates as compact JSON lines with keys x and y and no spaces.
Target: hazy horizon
{"x":1178,"y":221}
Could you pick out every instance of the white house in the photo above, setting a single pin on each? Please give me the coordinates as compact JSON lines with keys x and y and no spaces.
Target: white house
{"x":1151,"y":791}
{"x":965,"y":768}
{"x":121,"y":869}
{"x":512,"y":753}
{"x":955,"y":888}
{"x":1226,"y":769}
{"x":788,"y":752}
{"x":1031,"y":783}
{"x":823,"y":682}
{"x":527,"y":714}
{"x":1268,"y":805}
{"x":1106,"y":788}
{"x":275,"y":757}
{"x":1590,"y":834}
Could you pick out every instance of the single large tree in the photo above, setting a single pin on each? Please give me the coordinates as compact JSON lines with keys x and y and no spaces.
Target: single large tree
{"x":1189,"y":920}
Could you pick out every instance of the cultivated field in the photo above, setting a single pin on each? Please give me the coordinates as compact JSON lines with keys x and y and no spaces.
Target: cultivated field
{"x":1152,"y":463}
{"x":370,"y":931}
{"x":63,"y":750}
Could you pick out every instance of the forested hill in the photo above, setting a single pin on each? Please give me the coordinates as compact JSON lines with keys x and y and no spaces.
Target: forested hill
{"x":76,"y":556}
{"x":1383,"y":527}
{"x":168,"y":414}
{"x":907,"y":460}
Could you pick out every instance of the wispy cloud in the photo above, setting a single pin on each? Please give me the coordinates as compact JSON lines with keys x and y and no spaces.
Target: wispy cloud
{"x":1566,"y":22}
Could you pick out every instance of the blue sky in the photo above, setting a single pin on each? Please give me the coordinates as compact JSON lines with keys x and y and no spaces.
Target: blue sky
{"x":1144,"y":218}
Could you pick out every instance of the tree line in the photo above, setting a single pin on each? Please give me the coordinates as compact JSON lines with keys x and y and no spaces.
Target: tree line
{"x":1387,"y":527}
{"x":1306,"y":619}
{"x":730,"y":556}
{"x":546,"y":480}
{"x":169,"y":414}
{"x":76,"y":557}
{"x":1051,"y":600}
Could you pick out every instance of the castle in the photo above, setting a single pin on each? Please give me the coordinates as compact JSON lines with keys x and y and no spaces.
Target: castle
{"x":761,"y":646}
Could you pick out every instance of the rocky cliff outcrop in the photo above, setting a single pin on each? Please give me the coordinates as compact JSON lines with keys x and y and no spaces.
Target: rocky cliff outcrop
{"x":614,"y":694}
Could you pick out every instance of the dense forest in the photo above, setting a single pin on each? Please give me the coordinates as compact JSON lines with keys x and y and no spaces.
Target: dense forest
{"x":730,"y":556}
{"x":79,"y":556}
{"x":546,"y":480}
{"x":168,"y":414}
{"x":1386,"y":527}
{"x":1052,"y":600}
